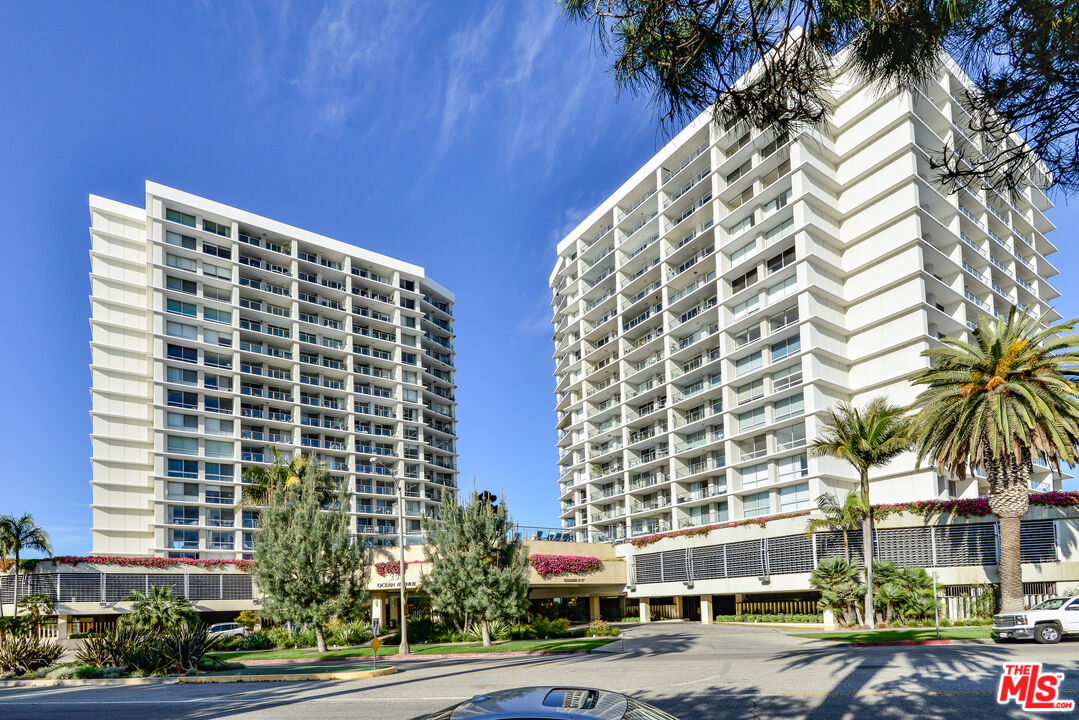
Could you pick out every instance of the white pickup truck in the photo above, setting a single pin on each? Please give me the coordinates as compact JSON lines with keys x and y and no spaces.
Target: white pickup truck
{"x":1047,"y":622}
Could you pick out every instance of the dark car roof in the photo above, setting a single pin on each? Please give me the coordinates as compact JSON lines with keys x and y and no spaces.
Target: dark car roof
{"x":528,"y":702}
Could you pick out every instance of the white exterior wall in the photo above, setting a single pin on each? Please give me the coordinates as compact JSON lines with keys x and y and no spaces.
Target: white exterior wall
{"x":348,"y":355}
{"x":884,"y":265}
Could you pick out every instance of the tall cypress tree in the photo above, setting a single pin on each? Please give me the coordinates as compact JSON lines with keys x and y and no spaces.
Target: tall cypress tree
{"x":479,"y":567}
{"x":305,"y":559}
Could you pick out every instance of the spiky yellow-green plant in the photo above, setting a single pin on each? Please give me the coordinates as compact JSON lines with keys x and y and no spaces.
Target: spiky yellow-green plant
{"x":844,"y":516}
{"x":994,"y":405}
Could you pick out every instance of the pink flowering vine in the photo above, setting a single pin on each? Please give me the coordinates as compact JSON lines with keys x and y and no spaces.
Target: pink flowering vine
{"x":389,"y":567}
{"x":548,"y":565}
{"x":158,"y":563}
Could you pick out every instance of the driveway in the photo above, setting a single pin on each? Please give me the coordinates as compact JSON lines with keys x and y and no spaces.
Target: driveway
{"x":692,"y":671}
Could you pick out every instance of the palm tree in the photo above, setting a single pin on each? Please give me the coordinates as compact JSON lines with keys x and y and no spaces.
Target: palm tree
{"x":837,"y":581}
{"x":262,"y":481}
{"x":159,"y":611}
{"x":995,"y":404}
{"x":21,"y":533}
{"x":38,"y":606}
{"x":843,"y":517}
{"x":4,"y":550}
{"x":866,"y":438}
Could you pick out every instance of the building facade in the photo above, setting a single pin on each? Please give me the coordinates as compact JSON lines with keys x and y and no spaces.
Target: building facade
{"x":742,"y":283}
{"x":218,"y":335}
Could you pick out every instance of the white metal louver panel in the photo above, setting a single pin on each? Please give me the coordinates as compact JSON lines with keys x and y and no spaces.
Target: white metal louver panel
{"x":1038,"y":541}
{"x":959,"y":545}
{"x":236,"y":587}
{"x":906,"y":547}
{"x":830,"y":544}
{"x":203,"y":587}
{"x":708,"y":562}
{"x":649,"y":569}
{"x":744,"y":559}
{"x":118,"y":587}
{"x":790,"y":554}
{"x":80,"y":587}
{"x":176,"y":582}
{"x":674,"y":566}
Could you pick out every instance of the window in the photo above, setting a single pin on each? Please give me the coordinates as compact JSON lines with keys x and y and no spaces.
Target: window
{"x":791,"y":437}
{"x":219,"y":361}
{"x":219,"y":517}
{"x":409,"y":358}
{"x":217,"y":426}
{"x":743,"y":252}
{"x":411,"y":396}
{"x":211,"y":293}
{"x":721,"y":511}
{"x":188,"y":243}
{"x":217,"y":251}
{"x":786,"y":347}
{"x":216,"y":271}
{"x":178,"y":398}
{"x":745,"y":308}
{"x":743,"y":281}
{"x":778,"y":231}
{"x":181,"y":330}
{"x":408,"y":285}
{"x":756,"y":504}
{"x":741,"y":226}
{"x":188,"y":492}
{"x":182,"y":515}
{"x":179,"y":217}
{"x":740,"y":171}
{"x":214,"y":337}
{"x":181,"y":263}
{"x":750,"y":392}
{"x":219,"y":449}
{"x":795,"y":497}
{"x":792,"y":467}
{"x":182,"y":445}
{"x":184,"y":539}
{"x":215,"y":315}
{"x":218,"y":382}
{"x":786,"y":378}
{"x":747,"y":336}
{"x":780,"y":261}
{"x":789,"y":407}
{"x":184,"y":354}
{"x":181,"y":285}
{"x":755,"y":447}
{"x":182,"y":376}
{"x":748,"y":364}
{"x":772,"y":205}
{"x":755,"y":476}
{"x":179,"y":307}
{"x":216,"y":228}
{"x":222,"y":540}
{"x":409,"y":340}
{"x":782,"y":289}
{"x":308,"y":337}
{"x":751,"y":420}
{"x":781,"y":320}
{"x":219,"y":471}
{"x":218,"y":405}
{"x":182,"y":469}
{"x":179,"y":421}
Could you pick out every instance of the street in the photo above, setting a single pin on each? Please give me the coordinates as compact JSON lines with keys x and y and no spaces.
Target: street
{"x":691,"y":671}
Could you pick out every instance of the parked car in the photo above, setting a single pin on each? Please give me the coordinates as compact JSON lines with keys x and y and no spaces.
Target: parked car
{"x":228,"y":629}
{"x":553,"y":703}
{"x":1047,"y":622}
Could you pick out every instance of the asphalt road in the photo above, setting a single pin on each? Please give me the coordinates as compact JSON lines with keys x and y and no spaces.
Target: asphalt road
{"x":691,"y":671}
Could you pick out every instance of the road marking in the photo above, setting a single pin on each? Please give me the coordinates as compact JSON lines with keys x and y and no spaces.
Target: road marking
{"x":221,"y":701}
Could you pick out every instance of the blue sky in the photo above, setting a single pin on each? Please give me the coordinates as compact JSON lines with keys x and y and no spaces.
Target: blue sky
{"x":467,"y":137}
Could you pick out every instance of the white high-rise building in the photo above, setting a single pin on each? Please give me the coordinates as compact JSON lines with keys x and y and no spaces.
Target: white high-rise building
{"x":218,"y":335}
{"x":739,"y":285}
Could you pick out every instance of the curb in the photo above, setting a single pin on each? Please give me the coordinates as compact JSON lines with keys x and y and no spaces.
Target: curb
{"x":900,"y":642}
{"x":75,"y":682}
{"x":409,"y":658}
{"x":290,"y":677}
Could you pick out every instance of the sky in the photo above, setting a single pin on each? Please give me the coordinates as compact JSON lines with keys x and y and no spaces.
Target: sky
{"x":467,"y":137}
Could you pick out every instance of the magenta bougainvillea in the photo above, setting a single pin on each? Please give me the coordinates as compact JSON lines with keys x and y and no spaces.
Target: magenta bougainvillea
{"x":156,"y":563}
{"x":549,"y":565}
{"x":964,"y":507}
{"x":390,"y":567}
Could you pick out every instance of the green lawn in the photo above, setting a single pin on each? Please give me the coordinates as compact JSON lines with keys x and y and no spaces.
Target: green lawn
{"x":946,"y":633}
{"x":298,"y":669}
{"x":504,"y":646}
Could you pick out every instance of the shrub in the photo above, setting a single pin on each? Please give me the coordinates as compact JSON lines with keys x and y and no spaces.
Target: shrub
{"x":771,"y":618}
{"x":550,"y":628}
{"x":498,"y":630}
{"x":351,"y":633}
{"x":258,"y":640}
{"x":81,"y":671}
{"x":22,"y":654}
{"x":248,"y":618}
{"x":306,"y":637}
{"x":111,"y":647}
{"x":281,"y":637}
{"x":601,"y":628}
{"x":232,"y":642}
{"x":186,"y":645}
{"x":149,"y":658}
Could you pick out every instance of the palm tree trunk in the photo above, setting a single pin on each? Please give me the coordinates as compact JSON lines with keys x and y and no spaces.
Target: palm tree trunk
{"x":15,"y":595}
{"x":867,"y":553}
{"x":846,"y":545}
{"x":1009,"y":500}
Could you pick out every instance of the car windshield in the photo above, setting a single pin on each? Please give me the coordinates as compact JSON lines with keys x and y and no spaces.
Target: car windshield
{"x":1051,"y":604}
